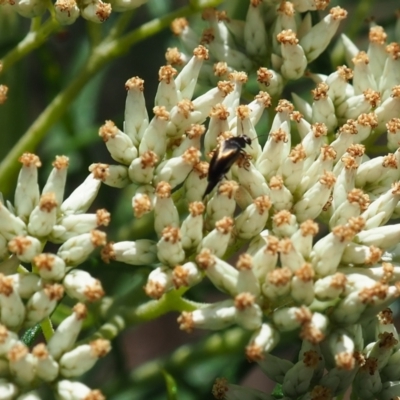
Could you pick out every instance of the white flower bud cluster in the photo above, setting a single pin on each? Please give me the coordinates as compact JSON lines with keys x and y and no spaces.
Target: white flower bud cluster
{"x":55,"y":363}
{"x":28,"y":298}
{"x":321,"y":254}
{"x":66,"y":12}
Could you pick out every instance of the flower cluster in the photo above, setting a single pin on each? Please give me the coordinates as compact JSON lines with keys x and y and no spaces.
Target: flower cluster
{"x":311,"y":206}
{"x":29,"y":297}
{"x":66,"y":12}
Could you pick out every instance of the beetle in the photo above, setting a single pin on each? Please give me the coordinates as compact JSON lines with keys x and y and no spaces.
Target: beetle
{"x":223,"y":158}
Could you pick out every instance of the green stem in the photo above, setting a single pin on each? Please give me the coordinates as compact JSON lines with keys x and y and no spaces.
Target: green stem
{"x":34,"y":38}
{"x":127,"y":316}
{"x":47,"y":328}
{"x":104,"y":52}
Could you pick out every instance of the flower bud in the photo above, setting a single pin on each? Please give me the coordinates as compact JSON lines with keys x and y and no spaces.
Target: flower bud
{"x":154,"y":137}
{"x":136,"y":117}
{"x":319,"y":36}
{"x":214,"y":316}
{"x":169,"y":247}
{"x":218,"y":239}
{"x":159,"y":282}
{"x":22,"y":364}
{"x":79,"y":360}
{"x":25,"y":247}
{"x":249,"y":313}
{"x":96,"y":11}
{"x":73,"y":225}
{"x":165,"y":212}
{"x":140,"y":252}
{"x":192,"y":226}
{"x":31,"y":8}
{"x":66,"y":12}
{"x":176,"y":169}
{"x":12,"y":307}
{"x":67,"y":332}
{"x":43,"y":216}
{"x":294,"y":60}
{"x":77,"y":249}
{"x":223,"y":276}
{"x":166,"y":95}
{"x":253,"y":219}
{"x":43,"y":303}
{"x":118,"y":144}
{"x":141,"y":170}
{"x":82,"y":197}
{"x":57,"y":178}
{"x":27,"y":190}
{"x":69,"y":390}
{"x":186,"y":275}
{"x":261,"y":344}
{"x":187,"y":78}
{"x":82,"y":286}
{"x":46,"y":368}
{"x":222,"y":204}
{"x":50,"y":267}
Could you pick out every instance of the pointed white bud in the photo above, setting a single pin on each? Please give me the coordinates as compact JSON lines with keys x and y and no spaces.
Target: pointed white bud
{"x":118,"y":144}
{"x":222,"y":204}
{"x":136,"y":118}
{"x":67,"y":332}
{"x":165,"y":212}
{"x":79,"y":360}
{"x":57,"y":178}
{"x":82,"y":197}
{"x":46,"y":367}
{"x":217,"y":240}
{"x":139,"y":252}
{"x":82,"y":286}
{"x":255,"y":35}
{"x":159,"y":282}
{"x":262,"y":343}
{"x":327,"y":252}
{"x":43,"y":216}
{"x":166,"y":95}
{"x":192,"y":226}
{"x":339,"y":88}
{"x":22,"y":364}
{"x":69,"y":390}
{"x":186,"y":275}
{"x":319,"y":36}
{"x":187,"y":77}
{"x":176,"y":169}
{"x":77,"y":249}
{"x":25,"y":247}
{"x":43,"y":303}
{"x":294,"y":59}
{"x":169,"y":247}
{"x":253,"y":219}
{"x":214,"y":316}
{"x":223,"y":275}
{"x":27,"y":190}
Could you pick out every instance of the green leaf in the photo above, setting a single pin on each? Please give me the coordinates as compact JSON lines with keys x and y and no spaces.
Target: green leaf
{"x":171,"y":387}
